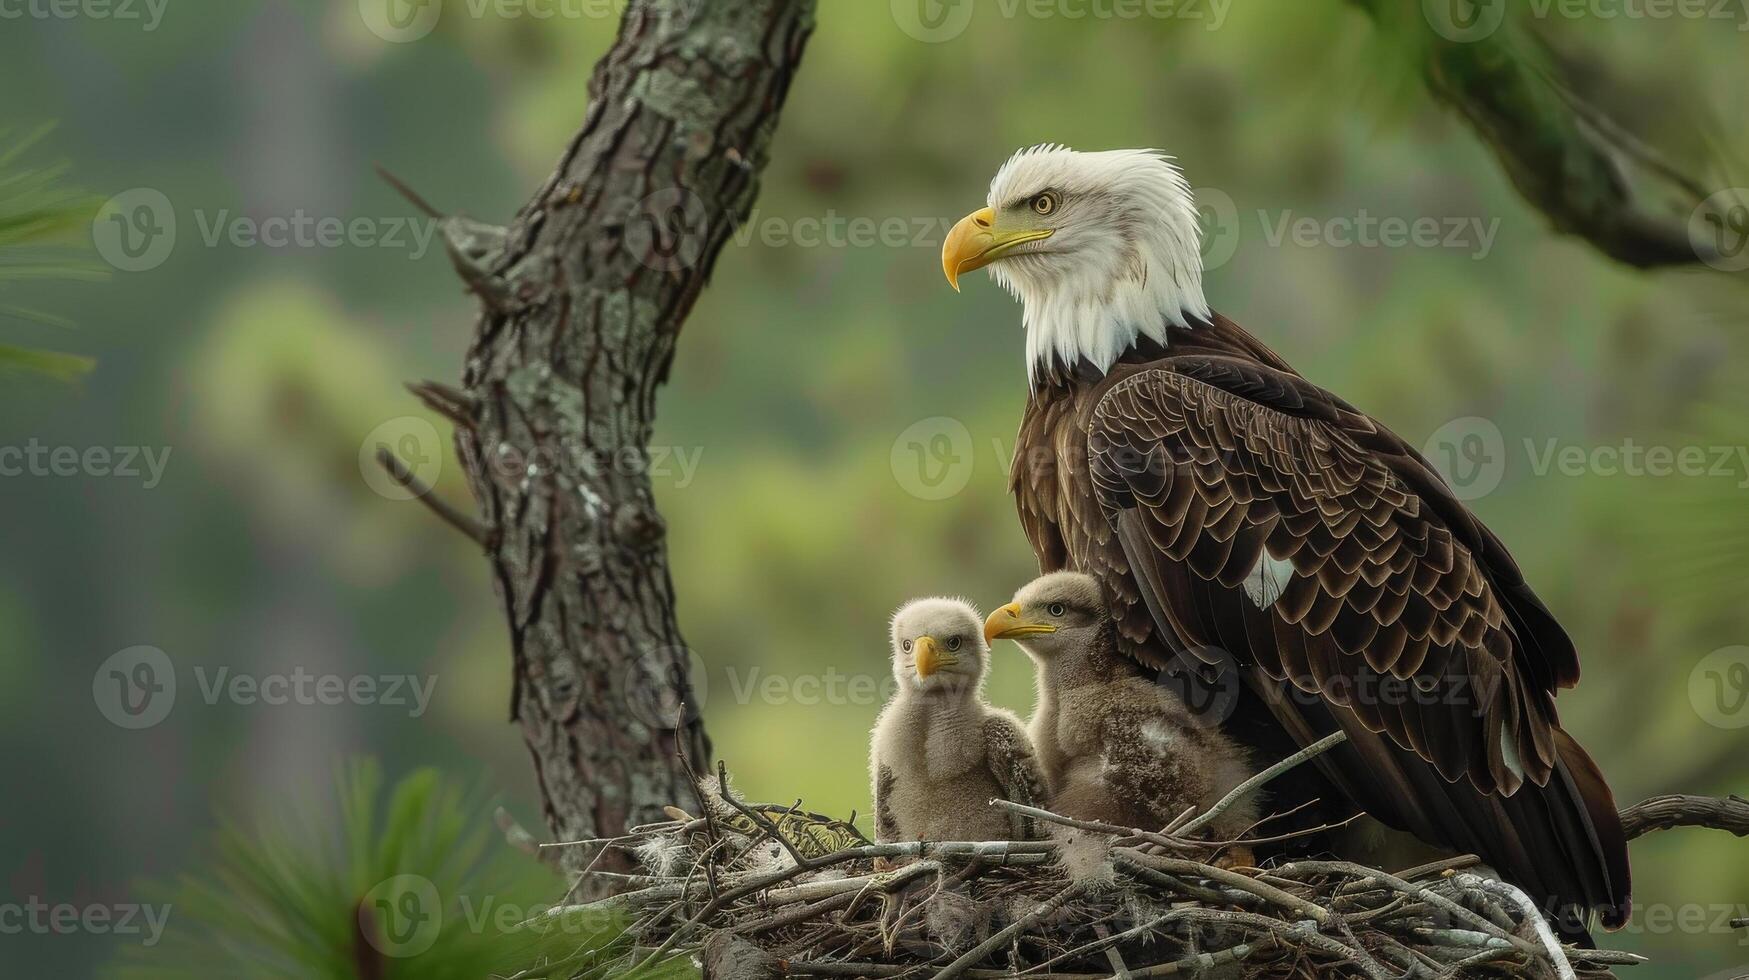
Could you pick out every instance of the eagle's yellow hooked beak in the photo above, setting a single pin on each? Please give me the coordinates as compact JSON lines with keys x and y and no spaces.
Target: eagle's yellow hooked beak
{"x":928,"y":657}
{"x":1006,"y":624}
{"x":976,"y":242}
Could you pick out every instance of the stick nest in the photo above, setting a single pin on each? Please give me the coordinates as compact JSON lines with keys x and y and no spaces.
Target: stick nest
{"x":760,"y":891}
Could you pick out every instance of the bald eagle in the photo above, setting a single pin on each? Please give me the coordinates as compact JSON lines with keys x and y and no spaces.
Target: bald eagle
{"x":1274,"y":550}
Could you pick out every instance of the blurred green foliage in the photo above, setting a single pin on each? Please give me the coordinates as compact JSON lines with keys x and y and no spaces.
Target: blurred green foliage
{"x":794,"y":528}
{"x":38,"y":216}
{"x":413,"y":884}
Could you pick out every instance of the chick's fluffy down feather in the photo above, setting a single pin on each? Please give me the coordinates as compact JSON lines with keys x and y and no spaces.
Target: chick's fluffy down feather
{"x":1127,"y":752}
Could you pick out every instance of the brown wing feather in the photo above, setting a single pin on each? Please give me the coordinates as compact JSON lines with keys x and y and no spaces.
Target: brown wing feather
{"x":1159,"y":432}
{"x":1404,"y":618}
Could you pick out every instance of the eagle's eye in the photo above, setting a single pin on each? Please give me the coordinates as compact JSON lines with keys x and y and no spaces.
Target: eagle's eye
{"x":953,"y":643}
{"x":1057,"y":609}
{"x":905,"y":645}
{"x":1045,"y":203}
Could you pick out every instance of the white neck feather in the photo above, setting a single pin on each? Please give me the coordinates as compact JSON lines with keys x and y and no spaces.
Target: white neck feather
{"x":1131,"y":268}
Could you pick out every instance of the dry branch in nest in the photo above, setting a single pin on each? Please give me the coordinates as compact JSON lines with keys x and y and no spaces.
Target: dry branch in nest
{"x":757,"y":891}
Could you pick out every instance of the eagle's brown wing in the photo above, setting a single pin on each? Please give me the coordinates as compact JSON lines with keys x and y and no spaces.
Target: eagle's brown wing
{"x":1254,"y":516}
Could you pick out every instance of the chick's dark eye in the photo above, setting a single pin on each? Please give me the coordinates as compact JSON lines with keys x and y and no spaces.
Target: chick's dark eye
{"x":953,"y":643}
{"x":905,"y":646}
{"x":1045,"y":203}
{"x":1057,"y":609}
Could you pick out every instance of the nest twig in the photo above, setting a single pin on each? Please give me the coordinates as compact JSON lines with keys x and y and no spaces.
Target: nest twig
{"x":760,"y":891}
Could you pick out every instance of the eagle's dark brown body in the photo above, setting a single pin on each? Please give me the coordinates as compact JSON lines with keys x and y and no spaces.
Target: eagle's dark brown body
{"x":1404,"y":621}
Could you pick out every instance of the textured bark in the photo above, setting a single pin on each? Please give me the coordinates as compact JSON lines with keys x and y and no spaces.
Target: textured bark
{"x":1729,"y":813}
{"x":583,"y":298}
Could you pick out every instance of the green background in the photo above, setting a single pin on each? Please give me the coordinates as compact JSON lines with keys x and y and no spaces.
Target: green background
{"x":799,"y":381}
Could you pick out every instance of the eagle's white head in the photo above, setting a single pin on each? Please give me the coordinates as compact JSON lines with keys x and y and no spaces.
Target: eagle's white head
{"x":1101,"y":249}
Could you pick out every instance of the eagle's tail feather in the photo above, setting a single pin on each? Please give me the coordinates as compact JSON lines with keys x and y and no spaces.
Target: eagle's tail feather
{"x":1561,"y":843}
{"x":1586,"y":784}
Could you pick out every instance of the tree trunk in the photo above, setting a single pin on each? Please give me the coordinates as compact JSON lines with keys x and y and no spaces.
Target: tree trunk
{"x":583,"y":298}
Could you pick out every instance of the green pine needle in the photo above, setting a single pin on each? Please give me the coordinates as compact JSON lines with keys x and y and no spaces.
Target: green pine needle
{"x":61,"y":367}
{"x":408,"y":883}
{"x":40,"y":227}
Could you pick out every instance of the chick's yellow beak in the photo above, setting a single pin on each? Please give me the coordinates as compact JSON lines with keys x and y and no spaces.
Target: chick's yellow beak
{"x":928,"y":657}
{"x":976,"y":242}
{"x":1006,"y":624}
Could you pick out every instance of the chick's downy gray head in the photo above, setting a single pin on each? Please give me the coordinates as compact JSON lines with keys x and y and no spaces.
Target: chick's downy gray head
{"x":938,"y":645}
{"x":1056,"y":612}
